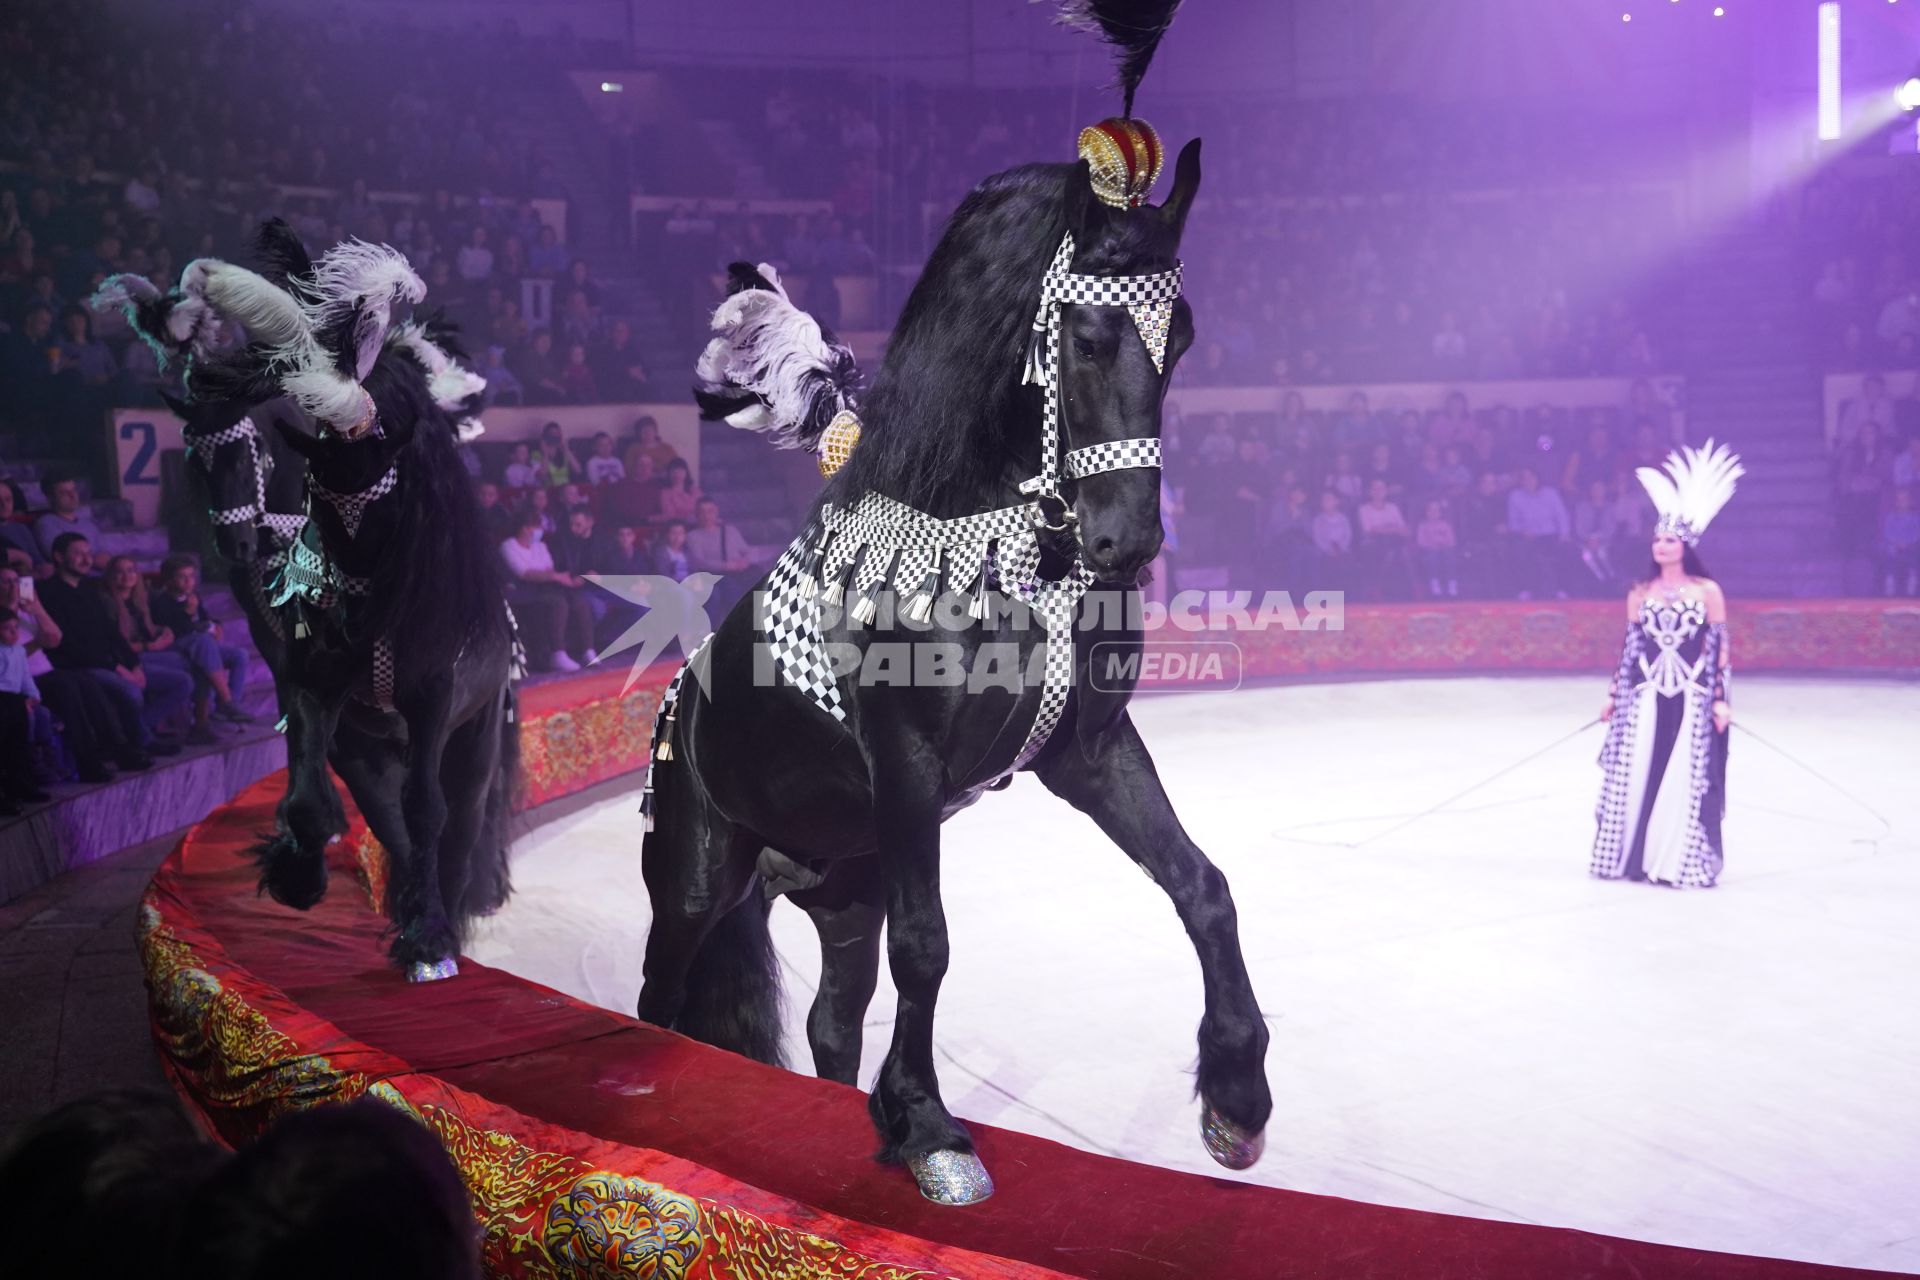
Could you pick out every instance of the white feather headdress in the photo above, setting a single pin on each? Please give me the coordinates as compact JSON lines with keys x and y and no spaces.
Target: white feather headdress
{"x":347,"y":305}
{"x":1693,"y":486}
{"x":772,"y":368}
{"x":451,"y":384}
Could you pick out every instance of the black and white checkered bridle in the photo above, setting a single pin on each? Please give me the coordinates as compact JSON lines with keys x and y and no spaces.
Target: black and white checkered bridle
{"x":1149,"y":300}
{"x":204,"y":448}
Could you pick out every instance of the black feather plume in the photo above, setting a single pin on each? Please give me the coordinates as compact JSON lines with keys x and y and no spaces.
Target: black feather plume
{"x":1132,"y":27}
{"x":282,"y":255}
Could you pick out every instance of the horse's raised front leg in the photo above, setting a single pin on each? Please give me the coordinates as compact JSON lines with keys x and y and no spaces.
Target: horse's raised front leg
{"x":848,"y":911}
{"x":1114,"y":783}
{"x":293,"y":862}
{"x":915,"y":1125}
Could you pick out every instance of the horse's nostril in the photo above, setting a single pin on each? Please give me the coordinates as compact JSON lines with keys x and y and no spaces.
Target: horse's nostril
{"x":1103,"y":547}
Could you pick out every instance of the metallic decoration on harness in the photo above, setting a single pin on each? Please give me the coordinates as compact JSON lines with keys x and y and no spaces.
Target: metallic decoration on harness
{"x":837,"y":441}
{"x":1123,"y":159}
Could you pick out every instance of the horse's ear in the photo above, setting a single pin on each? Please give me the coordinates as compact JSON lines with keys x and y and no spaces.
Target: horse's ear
{"x":1083,"y":207}
{"x":1186,"y":184}
{"x":296,"y":439}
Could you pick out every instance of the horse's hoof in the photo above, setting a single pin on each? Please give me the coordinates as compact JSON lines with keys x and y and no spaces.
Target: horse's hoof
{"x":1227,"y":1142}
{"x":435,"y":971}
{"x":951,"y":1177}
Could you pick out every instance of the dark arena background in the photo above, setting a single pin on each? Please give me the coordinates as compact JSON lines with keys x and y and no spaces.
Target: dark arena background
{"x":531,"y":528}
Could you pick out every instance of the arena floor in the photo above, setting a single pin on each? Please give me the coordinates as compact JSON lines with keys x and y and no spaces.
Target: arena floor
{"x":1462,"y":1020}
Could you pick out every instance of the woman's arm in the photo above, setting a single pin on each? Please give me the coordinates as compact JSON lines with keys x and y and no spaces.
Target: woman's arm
{"x":1722,"y":686}
{"x":1629,"y":656}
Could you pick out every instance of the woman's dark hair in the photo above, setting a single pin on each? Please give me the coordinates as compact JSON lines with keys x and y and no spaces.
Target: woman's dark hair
{"x":361,"y":1189}
{"x":681,"y":465}
{"x":1689,"y":560}
{"x":81,"y":1182}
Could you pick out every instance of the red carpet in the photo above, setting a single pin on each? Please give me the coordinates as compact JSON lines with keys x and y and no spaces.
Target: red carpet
{"x":597,"y":1146}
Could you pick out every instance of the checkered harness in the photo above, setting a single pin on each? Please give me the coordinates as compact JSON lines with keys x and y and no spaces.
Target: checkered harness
{"x":878,"y":543}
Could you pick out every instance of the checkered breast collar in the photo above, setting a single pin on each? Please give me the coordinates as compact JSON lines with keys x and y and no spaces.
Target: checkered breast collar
{"x":352,"y":507}
{"x":1149,"y":300}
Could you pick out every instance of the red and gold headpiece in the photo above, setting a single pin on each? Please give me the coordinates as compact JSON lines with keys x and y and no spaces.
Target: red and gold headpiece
{"x":1124,"y":157}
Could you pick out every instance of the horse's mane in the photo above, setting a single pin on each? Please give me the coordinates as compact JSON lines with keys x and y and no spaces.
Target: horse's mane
{"x":439,"y":587}
{"x":947,"y":410}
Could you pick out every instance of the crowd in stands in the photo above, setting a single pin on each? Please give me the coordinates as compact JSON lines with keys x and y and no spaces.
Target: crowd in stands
{"x":1876,"y":485}
{"x":151,"y":137}
{"x":1418,"y":504}
{"x":1856,"y":240}
{"x":620,"y":509}
{"x":102,"y":666}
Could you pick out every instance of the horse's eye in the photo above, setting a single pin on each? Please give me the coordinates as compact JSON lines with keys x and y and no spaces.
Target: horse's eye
{"x":1083,"y":348}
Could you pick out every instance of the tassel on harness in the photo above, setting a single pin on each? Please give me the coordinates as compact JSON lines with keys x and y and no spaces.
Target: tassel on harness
{"x":867,"y":607}
{"x":920,"y":607}
{"x":977,"y":607}
{"x":810,"y":581}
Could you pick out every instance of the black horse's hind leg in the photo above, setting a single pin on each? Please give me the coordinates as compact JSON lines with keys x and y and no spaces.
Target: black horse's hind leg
{"x":1115,"y":784}
{"x":847,"y":912}
{"x":914,"y":1124}
{"x":467,"y":779}
{"x":374,"y":769}
{"x":293,"y":863}
{"x":710,"y":971}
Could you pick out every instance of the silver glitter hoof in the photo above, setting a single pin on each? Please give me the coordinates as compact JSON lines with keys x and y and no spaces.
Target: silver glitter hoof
{"x":1227,"y":1142}
{"x":951,"y":1177}
{"x":438,"y":971}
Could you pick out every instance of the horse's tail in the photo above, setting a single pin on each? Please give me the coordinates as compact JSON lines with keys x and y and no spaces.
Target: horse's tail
{"x":772,"y":367}
{"x":733,"y":986}
{"x":489,"y":877}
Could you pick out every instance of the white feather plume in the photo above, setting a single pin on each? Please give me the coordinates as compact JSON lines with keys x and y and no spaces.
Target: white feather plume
{"x":180,"y":322}
{"x":327,"y":395}
{"x":1696,"y":484}
{"x":467,"y":430}
{"x":771,"y":348}
{"x":353,"y":280}
{"x":450,"y":384}
{"x":267,"y":312}
{"x":373,"y":278}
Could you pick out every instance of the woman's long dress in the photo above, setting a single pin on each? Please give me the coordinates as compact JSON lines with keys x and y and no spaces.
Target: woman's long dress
{"x":1665,"y":790}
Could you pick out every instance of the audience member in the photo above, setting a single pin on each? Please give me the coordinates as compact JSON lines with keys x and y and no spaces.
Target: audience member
{"x":679,"y":495}
{"x":602,"y":466}
{"x":549,"y":604}
{"x":19,"y":704}
{"x":87,"y":721}
{"x":555,"y":462}
{"x":1537,"y":516}
{"x":218,"y":666}
{"x":66,"y":514}
{"x":92,"y":646}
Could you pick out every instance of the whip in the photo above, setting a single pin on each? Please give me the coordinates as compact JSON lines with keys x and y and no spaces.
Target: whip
{"x":1487,"y":781}
{"x":1791,"y":759}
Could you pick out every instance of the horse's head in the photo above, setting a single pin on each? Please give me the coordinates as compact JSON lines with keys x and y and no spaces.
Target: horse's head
{"x":233,"y":458}
{"x":354,"y":470}
{"x":1112,"y":379}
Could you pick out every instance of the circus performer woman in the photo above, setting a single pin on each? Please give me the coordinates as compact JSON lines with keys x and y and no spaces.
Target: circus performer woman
{"x":1667,"y":711}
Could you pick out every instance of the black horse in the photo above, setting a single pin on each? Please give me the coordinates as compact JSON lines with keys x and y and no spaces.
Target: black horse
{"x":399,"y":671}
{"x":759,"y":781}
{"x":363,"y":561}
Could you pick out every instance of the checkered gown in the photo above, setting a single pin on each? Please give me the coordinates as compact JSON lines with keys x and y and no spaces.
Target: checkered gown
{"x":1670,"y":658}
